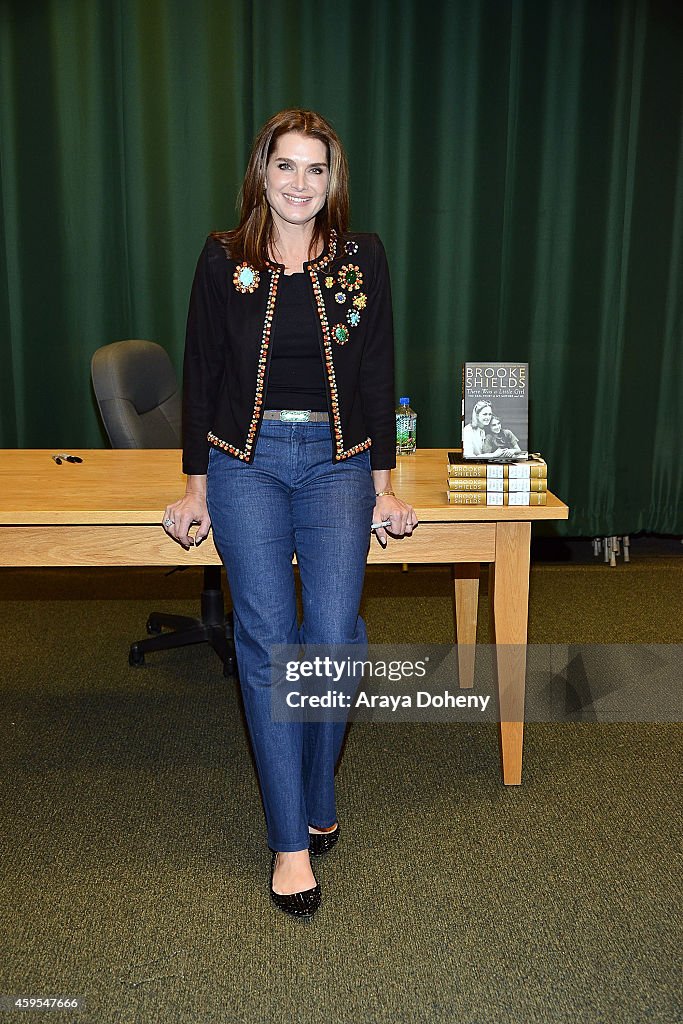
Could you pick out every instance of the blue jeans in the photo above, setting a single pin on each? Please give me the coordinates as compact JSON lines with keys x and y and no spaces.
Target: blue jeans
{"x":293,"y":498}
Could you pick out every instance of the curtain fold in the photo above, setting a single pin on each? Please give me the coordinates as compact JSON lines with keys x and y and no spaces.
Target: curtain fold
{"x":522,"y":161}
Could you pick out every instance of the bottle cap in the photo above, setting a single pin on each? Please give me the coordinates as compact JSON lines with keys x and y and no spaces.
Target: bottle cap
{"x":404,"y":401}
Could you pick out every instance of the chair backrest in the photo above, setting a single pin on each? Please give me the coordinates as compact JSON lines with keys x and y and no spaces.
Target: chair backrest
{"x":138,"y":395}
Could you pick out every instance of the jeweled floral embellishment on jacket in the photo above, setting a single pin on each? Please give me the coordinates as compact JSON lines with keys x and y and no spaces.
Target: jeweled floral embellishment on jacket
{"x":351,"y":248}
{"x":340,"y":333}
{"x":329,"y":282}
{"x":360,"y":301}
{"x":350,"y":278}
{"x":246,"y":279}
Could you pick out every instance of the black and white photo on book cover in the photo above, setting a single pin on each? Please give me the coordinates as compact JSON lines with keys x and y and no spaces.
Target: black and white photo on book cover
{"x":495,"y":411}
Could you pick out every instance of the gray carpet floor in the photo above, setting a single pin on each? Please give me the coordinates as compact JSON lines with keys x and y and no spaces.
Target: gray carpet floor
{"x":134,"y":866}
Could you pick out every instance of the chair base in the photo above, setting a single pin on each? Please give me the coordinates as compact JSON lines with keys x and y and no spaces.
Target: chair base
{"x":214,"y":627}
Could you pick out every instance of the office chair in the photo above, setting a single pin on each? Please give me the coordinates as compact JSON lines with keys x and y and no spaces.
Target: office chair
{"x":139,"y":401}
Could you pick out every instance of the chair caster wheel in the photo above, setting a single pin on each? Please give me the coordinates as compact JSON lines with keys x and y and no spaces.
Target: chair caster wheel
{"x":153,"y":628}
{"x":135,"y":657}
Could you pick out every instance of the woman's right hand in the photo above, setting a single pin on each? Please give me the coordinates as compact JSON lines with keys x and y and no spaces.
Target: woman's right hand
{"x":182,"y":514}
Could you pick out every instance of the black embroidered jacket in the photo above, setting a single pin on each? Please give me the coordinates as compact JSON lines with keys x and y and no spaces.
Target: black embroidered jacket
{"x":227,"y":351}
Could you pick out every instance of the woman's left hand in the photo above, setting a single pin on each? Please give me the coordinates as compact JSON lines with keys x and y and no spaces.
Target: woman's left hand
{"x":401,"y":514}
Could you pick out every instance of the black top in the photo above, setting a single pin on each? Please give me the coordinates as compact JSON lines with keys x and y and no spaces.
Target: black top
{"x":234,"y":310}
{"x":296,"y":379}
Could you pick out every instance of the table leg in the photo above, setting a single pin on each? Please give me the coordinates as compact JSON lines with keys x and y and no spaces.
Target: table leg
{"x":466,"y":594}
{"x":509,"y":587}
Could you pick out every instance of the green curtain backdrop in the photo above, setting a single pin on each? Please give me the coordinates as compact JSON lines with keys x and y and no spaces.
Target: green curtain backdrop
{"x":521,"y":159}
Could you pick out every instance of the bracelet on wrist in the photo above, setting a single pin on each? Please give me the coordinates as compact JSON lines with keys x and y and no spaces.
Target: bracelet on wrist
{"x":380,"y":494}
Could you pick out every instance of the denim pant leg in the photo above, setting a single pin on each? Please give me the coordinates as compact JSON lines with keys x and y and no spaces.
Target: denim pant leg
{"x":250,"y":513}
{"x":332,"y":515}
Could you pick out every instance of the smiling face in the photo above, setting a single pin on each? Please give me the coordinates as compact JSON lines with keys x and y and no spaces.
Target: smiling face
{"x":297,"y":176}
{"x":483,"y":415}
{"x":496,"y":425}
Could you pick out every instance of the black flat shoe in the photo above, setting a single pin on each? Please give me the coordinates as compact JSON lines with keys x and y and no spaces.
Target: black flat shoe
{"x":296,"y":904}
{"x":322,"y":842}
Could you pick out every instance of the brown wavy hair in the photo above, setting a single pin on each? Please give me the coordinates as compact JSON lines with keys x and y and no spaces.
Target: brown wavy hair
{"x":251,"y":239}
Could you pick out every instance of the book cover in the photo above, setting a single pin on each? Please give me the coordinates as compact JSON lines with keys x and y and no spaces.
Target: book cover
{"x":495,"y":411}
{"x":534,"y":466}
{"x":497,"y":497}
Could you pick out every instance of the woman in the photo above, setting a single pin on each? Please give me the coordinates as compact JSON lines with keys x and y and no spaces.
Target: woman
{"x":474,"y":432}
{"x":289,"y":442}
{"x":500,"y":442}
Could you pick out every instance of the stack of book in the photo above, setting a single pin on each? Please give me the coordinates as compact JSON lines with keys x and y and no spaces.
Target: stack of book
{"x":523,"y":482}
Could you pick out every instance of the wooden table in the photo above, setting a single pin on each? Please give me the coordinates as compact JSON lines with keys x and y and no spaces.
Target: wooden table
{"x":107,"y":511}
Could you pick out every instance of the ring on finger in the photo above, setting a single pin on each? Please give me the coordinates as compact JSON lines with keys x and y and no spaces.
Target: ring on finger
{"x":169,"y":522}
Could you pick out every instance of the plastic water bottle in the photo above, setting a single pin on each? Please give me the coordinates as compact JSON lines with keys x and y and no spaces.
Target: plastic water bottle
{"x":406,"y":428}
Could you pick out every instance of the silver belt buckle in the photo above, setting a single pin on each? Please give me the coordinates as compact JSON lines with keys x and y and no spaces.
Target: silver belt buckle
{"x":295,"y":415}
